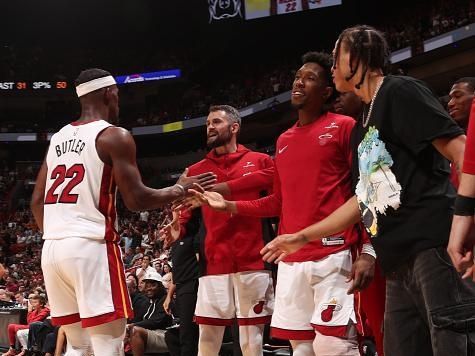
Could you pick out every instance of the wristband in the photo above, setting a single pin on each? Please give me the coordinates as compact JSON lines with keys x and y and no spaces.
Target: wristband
{"x":464,"y":206}
{"x":182,"y":188}
{"x":369,"y":250}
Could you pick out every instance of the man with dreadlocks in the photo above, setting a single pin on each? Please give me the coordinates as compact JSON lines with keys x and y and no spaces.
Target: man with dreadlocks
{"x":405,"y":200}
{"x":314,"y":305}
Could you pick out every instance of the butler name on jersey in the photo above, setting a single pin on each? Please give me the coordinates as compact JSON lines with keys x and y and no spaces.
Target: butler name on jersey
{"x":80,"y":189}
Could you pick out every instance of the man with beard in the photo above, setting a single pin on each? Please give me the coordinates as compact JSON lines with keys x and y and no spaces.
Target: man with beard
{"x":148,"y":334}
{"x":234,"y":281}
{"x":314,"y":307}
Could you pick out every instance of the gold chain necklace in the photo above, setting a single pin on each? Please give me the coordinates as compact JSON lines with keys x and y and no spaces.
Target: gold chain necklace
{"x":366,"y":119}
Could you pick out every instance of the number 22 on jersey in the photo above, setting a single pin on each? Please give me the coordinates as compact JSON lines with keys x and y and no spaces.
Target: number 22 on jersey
{"x":59,"y":174}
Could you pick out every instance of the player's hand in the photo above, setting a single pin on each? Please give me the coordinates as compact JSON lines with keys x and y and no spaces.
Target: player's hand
{"x":362,"y":273}
{"x":282,"y":246}
{"x":221,"y":188}
{"x":191,"y":201}
{"x":166,"y":305}
{"x":171,"y":232}
{"x":461,"y":245}
{"x":199,"y":198}
{"x":205,"y":180}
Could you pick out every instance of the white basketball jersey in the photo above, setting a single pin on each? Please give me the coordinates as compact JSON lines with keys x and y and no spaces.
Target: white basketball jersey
{"x":80,"y":189}
{"x":288,"y":6}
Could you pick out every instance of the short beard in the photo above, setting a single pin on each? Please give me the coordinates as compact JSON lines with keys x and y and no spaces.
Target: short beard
{"x":221,"y":140}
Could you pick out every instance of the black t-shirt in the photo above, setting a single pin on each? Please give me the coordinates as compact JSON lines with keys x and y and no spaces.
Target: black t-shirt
{"x":183,"y":252}
{"x":404,"y":193}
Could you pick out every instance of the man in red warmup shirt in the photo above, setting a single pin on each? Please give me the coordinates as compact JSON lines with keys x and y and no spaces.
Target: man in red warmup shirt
{"x":461,"y":246}
{"x":461,"y":96}
{"x":235,"y":282}
{"x":314,"y":308}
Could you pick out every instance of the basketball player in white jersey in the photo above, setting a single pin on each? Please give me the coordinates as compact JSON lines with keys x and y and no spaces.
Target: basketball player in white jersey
{"x":74,"y":205}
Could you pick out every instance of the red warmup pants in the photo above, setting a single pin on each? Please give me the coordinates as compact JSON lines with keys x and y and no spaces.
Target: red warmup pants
{"x":12,"y":329}
{"x":373,"y":301}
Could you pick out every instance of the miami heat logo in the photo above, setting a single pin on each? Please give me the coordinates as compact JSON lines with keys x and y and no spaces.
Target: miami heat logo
{"x":259,"y":307}
{"x":223,"y":9}
{"x":328,"y":310}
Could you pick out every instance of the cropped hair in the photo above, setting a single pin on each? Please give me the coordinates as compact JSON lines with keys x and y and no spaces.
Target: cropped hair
{"x":90,"y":74}
{"x":325,"y":61}
{"x":231,"y":112}
{"x":469,"y":80}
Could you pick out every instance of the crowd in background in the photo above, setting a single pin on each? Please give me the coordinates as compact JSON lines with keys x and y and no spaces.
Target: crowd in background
{"x":192,"y":96}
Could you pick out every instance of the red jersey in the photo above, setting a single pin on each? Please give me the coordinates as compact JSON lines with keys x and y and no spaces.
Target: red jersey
{"x":469,"y":157}
{"x":232,"y":242}
{"x":311,"y":180}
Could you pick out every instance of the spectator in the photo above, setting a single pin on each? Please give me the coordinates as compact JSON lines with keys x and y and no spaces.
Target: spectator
{"x":138,"y":255}
{"x":20,"y":299}
{"x":129,"y":255}
{"x":37,"y":311}
{"x":148,"y":335}
{"x":145,"y":268}
{"x":42,"y":337}
{"x":166,"y":275}
{"x":139,"y":300}
{"x":4,"y":296}
{"x":127,"y":239}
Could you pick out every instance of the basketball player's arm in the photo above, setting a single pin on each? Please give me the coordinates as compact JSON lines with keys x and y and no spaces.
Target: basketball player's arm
{"x":168,"y":300}
{"x":453,"y":149}
{"x":38,"y":196}
{"x":266,"y":207}
{"x":261,"y":179}
{"x":342,"y":218}
{"x":462,"y":234}
{"x":269,"y":206}
{"x":116,"y":147}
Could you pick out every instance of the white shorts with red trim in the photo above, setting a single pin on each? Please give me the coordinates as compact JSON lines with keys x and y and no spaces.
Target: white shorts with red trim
{"x":85,"y":281}
{"x":312,"y":296}
{"x":247,"y":296}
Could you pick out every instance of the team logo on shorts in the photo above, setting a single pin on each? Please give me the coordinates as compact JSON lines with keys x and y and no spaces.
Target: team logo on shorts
{"x":259,"y":307}
{"x":328,"y":309}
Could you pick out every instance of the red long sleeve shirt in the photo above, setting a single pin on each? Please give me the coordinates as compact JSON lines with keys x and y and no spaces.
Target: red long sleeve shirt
{"x":232,"y":242}
{"x":469,"y":158}
{"x":312,"y":179}
{"x":37,"y":315}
